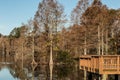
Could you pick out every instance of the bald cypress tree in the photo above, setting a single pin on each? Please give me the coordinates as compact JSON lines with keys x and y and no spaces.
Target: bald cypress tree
{"x":49,"y":18}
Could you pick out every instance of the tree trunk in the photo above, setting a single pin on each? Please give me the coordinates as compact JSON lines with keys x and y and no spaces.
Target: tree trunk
{"x":98,"y":40}
{"x":85,"y":48}
{"x":33,"y":52}
{"x":33,"y":48}
{"x":51,"y":70}
{"x":51,"y":49}
{"x":3,"y":51}
{"x":22,"y":53}
{"x":102,"y":43}
{"x":112,"y":33}
{"x":106,"y":42}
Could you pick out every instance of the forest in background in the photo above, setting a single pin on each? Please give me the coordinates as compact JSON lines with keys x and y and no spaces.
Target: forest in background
{"x":94,"y":30}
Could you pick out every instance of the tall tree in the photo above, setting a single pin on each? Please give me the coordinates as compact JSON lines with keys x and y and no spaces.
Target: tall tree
{"x":78,"y":11}
{"x":76,"y":16}
{"x":95,"y":19}
{"x":32,"y":31}
{"x":49,"y":17}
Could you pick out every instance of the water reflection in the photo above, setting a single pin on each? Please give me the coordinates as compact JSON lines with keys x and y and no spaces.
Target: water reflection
{"x":63,"y":71}
{"x":20,"y":71}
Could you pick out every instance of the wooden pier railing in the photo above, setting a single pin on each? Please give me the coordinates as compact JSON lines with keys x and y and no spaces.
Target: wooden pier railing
{"x":102,"y":64}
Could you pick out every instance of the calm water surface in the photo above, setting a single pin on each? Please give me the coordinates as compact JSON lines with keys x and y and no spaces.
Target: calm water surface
{"x":6,"y":75}
{"x":18,"y":71}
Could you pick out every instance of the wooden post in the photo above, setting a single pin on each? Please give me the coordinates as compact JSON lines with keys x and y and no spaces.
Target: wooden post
{"x":118,"y":64}
{"x":99,"y":77}
{"x":85,"y":75}
{"x":104,"y":77}
{"x":101,"y":64}
{"x":93,"y":64}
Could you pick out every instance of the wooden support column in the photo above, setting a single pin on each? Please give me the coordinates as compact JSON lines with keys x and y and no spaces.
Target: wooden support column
{"x":104,"y":77}
{"x":99,"y":77}
{"x":85,"y":75}
{"x":118,"y":64}
{"x":101,"y":64}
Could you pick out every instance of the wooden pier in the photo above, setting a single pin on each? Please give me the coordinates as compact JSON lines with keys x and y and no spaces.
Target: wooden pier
{"x":100,"y":64}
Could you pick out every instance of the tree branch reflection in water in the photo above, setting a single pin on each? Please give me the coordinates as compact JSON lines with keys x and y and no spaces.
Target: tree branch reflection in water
{"x":42,"y":72}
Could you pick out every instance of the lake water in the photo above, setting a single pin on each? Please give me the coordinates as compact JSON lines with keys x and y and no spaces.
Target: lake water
{"x":5,"y":74}
{"x":18,"y":71}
